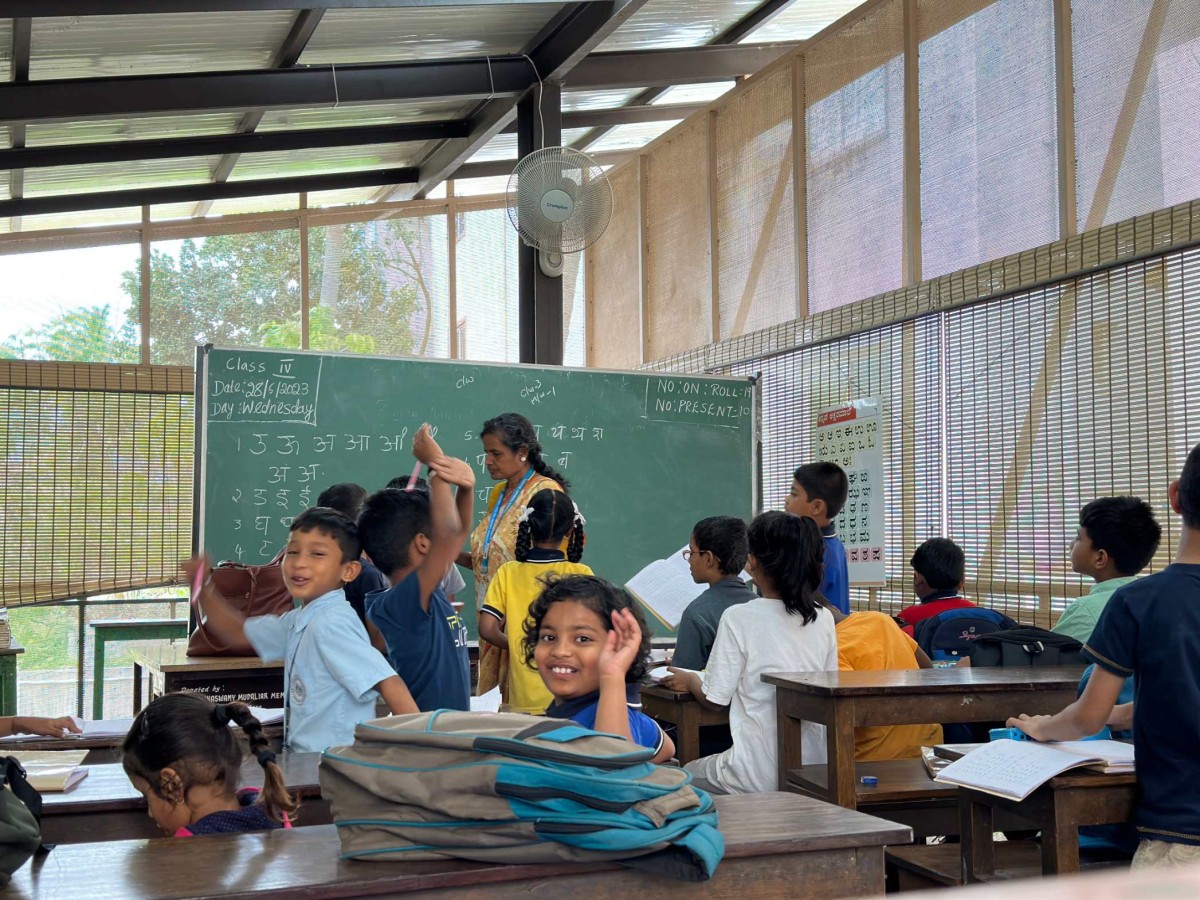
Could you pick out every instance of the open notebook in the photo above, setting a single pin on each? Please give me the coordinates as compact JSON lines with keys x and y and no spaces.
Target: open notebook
{"x":51,"y":771}
{"x":1015,"y":769}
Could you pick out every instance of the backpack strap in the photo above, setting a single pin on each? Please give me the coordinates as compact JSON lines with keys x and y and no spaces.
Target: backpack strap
{"x":13,"y":775}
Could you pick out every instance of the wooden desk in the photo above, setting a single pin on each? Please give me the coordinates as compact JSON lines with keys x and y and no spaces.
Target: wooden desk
{"x":8,"y":677}
{"x":106,"y":807}
{"x":220,"y":678}
{"x":102,"y":750}
{"x":112,"y":630}
{"x":776,"y":845}
{"x":843,"y":701}
{"x":686,"y":713}
{"x":1058,"y":808}
{"x":904,"y":793}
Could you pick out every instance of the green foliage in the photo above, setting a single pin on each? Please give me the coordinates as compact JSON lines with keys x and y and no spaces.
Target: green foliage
{"x":78,"y":335}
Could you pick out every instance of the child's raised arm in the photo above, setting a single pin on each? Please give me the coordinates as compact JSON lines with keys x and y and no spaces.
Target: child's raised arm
{"x":447,"y":530}
{"x":621,"y":649}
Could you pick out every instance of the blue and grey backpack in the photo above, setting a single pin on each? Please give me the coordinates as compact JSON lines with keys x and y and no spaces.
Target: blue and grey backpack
{"x":953,"y":633}
{"x":512,"y":788}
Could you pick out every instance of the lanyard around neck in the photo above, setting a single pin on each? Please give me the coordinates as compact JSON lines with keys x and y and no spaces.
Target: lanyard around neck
{"x":498,"y":512}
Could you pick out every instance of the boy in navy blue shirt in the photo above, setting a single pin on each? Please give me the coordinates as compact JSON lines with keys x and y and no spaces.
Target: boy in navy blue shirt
{"x":1151,"y":629}
{"x":413,"y":536}
{"x":819,"y":492}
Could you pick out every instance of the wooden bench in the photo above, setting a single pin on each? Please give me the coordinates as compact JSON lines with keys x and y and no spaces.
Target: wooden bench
{"x":924,"y":866}
{"x":105,"y":806}
{"x":107,"y":749}
{"x":113,"y":630}
{"x":904,"y":793}
{"x":775,"y":845}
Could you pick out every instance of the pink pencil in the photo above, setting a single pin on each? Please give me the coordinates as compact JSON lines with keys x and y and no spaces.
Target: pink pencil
{"x":412,"y":480}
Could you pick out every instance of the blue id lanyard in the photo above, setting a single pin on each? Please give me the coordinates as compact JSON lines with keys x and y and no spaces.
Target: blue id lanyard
{"x":498,"y":512}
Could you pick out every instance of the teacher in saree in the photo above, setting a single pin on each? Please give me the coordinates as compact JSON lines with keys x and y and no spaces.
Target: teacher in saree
{"x":513,"y":458}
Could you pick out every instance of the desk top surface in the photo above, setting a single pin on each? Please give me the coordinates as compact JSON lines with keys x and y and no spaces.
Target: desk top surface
{"x":12,"y":649}
{"x":304,"y":861}
{"x":927,"y":681}
{"x":171,"y":656}
{"x":104,"y":624}
{"x":107,"y":788}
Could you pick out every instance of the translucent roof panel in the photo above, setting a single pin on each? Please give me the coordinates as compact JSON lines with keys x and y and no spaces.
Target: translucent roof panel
{"x":348,"y":197}
{"x":477,"y":187}
{"x":678,"y":23}
{"x":351,"y":115}
{"x":119,"y":176}
{"x":166,"y":212}
{"x":801,"y":20}
{"x":393,"y":35}
{"x":294,"y":163}
{"x":240,"y":205}
{"x":577,"y":100}
{"x":99,"y":46}
{"x":90,"y":218}
{"x":694,"y":93}
{"x":631,"y":137}
{"x":504,"y":146}
{"x":6,"y":49}
{"x":43,"y":134}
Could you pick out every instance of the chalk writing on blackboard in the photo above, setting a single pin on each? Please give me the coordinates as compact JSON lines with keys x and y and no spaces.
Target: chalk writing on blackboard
{"x":283,"y":390}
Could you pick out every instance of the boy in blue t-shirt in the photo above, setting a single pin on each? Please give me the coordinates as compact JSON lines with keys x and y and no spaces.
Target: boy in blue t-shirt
{"x":1151,"y":629}
{"x":413,"y":536}
{"x":819,"y":492}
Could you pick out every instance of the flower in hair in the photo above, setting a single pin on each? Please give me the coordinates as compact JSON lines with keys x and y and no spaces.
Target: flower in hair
{"x":526,"y":514}
{"x":578,"y":515}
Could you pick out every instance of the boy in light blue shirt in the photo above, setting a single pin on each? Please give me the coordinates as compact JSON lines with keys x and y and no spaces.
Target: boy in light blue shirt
{"x":331,"y":673}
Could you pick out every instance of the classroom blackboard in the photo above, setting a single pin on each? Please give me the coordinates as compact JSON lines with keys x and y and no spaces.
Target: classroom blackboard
{"x":647,"y":454}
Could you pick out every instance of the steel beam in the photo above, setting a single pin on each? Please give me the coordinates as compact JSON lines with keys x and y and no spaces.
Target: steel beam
{"x":194,"y":193}
{"x":215,"y":145}
{"x":691,"y":65}
{"x":625,"y":115}
{"x":94,"y":98}
{"x":557,"y":54}
{"x":498,"y":167}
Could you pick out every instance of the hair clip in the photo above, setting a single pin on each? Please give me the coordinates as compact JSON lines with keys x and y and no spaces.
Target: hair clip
{"x":578,"y":515}
{"x":526,"y":514}
{"x":265,"y":756}
{"x":221,"y":714}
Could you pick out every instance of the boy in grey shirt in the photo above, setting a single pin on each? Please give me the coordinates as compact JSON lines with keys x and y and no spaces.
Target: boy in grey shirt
{"x":716,"y":555}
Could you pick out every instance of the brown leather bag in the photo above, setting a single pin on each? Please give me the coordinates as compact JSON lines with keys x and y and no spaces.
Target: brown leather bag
{"x":252,"y":591}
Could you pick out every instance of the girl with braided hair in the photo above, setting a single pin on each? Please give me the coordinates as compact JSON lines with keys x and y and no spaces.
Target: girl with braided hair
{"x":543,"y":526}
{"x":183,"y":757}
{"x":514,"y":458}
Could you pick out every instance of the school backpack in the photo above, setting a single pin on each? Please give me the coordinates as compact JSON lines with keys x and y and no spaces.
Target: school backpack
{"x":20,"y":818}
{"x":512,"y":788}
{"x":953,"y":634}
{"x":1027,"y":646}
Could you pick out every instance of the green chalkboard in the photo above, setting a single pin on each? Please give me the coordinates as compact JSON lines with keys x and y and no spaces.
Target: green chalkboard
{"x":647,"y":454}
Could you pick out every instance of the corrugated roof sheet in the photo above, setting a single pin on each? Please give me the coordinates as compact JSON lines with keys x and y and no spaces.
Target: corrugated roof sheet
{"x":394,"y":35}
{"x":98,"y":46}
{"x":678,"y":23}
{"x":350,"y":115}
{"x":577,"y":100}
{"x":292,"y":163}
{"x":119,"y":176}
{"x":631,"y":137}
{"x":802,"y":20}
{"x":42,"y":134}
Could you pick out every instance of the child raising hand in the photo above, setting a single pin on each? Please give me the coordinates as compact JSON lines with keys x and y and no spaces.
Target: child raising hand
{"x":588,"y":641}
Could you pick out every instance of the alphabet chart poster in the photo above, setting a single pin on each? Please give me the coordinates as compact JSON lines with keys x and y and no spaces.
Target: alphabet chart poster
{"x":852,"y":436}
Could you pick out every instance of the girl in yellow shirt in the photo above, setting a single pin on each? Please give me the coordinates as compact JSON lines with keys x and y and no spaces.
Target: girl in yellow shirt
{"x":548,"y":520}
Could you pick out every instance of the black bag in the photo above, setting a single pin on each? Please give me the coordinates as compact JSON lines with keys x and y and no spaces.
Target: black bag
{"x":954,"y":634}
{"x":1027,"y":646}
{"x":20,"y":819}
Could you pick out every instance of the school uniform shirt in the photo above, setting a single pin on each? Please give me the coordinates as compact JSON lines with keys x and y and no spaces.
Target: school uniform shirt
{"x":931,"y":605}
{"x":453,"y":583}
{"x":1151,"y":629}
{"x":1079,"y":618}
{"x":509,"y":595}
{"x":756,"y":638}
{"x":250,"y":816}
{"x":872,"y":641}
{"x":427,"y":649}
{"x":330,"y":669}
{"x":582,"y":711}
{"x":698,"y":627}
{"x":835,"y":583}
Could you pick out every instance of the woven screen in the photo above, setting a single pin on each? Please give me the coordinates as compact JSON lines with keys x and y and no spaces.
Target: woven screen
{"x":989,"y":165}
{"x":756,"y":208}
{"x":487,"y":289}
{"x":96,"y":494}
{"x":615,"y":272}
{"x":1137,"y":64}
{"x":1004,"y":418}
{"x":380,"y":287}
{"x":675,"y":243}
{"x":854,"y":128}
{"x":901,"y":364}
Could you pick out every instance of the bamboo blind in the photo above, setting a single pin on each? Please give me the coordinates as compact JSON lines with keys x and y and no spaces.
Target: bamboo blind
{"x":615,"y":281}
